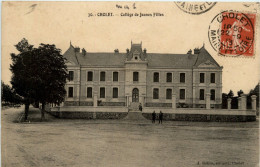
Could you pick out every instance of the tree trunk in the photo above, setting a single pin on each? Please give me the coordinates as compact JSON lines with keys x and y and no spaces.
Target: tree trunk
{"x":42,"y":112}
{"x":26,"y":111}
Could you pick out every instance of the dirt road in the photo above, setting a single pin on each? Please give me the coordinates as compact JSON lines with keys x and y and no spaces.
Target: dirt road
{"x":79,"y":143}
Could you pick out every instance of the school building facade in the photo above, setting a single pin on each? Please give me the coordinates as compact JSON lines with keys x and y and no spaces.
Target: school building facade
{"x":138,"y":77}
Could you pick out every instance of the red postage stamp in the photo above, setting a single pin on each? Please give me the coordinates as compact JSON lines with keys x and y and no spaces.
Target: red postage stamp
{"x":235,"y":34}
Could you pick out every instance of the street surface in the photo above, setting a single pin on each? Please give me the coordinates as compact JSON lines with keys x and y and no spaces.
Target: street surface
{"x":124,"y":143}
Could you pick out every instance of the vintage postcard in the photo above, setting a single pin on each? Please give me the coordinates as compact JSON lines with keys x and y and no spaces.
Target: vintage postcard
{"x":130,"y":84}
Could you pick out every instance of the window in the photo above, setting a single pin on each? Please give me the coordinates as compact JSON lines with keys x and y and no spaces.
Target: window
{"x":169,"y":77}
{"x":102,"y":76}
{"x":212,"y":94}
{"x":202,"y":77}
{"x":182,"y":94}
{"x":212,"y":78}
{"x":135,"y":76}
{"x":115,"y":92}
{"x":168,"y":93}
{"x":182,"y":77}
{"x":70,"y":91}
{"x":90,"y":76}
{"x":71,"y":75}
{"x":102,"y":92}
{"x":202,"y":94}
{"x":156,"y":77}
{"x":115,"y":76}
{"x":89,"y":92}
{"x":155,"y":93}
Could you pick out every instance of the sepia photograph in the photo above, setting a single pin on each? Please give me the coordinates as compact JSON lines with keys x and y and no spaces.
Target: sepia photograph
{"x":130,"y":84}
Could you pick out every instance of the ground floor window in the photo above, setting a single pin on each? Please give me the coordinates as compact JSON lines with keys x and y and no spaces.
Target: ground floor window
{"x":70,"y":92}
{"x":168,"y":93}
{"x":212,"y":94}
{"x":202,"y":94}
{"x":115,"y":92}
{"x":102,"y":92}
{"x":182,"y":94}
{"x":155,"y":93}
{"x":89,"y":92}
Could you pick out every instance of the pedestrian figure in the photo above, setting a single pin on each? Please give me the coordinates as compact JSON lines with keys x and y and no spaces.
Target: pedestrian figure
{"x":140,"y":107}
{"x":153,"y":116}
{"x":160,"y":117}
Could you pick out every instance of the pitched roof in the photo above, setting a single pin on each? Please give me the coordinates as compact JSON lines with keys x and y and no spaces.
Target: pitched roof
{"x":204,"y":56}
{"x":70,"y":55}
{"x":155,"y":60}
{"x":102,"y":59}
{"x":136,"y":48}
{"x":171,"y":60}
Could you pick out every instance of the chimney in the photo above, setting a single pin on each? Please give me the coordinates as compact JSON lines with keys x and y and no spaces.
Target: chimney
{"x":189,"y":52}
{"x":116,"y":51}
{"x":77,"y":49}
{"x":84,"y":52}
{"x":145,"y":50}
{"x":196,"y":51}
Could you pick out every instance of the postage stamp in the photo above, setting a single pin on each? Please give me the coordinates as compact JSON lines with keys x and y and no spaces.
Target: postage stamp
{"x":231,"y":33}
{"x":195,"y":8}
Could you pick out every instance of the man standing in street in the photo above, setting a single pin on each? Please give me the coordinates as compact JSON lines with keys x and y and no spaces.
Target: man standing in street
{"x":160,"y":117}
{"x":153,"y":116}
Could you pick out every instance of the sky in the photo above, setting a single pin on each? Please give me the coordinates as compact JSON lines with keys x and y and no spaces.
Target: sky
{"x":175,"y":32}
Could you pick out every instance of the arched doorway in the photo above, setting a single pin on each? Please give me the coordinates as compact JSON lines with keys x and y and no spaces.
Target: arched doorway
{"x":135,"y":95}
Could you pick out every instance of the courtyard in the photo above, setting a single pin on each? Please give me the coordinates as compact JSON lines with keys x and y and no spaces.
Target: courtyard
{"x":126,"y":143}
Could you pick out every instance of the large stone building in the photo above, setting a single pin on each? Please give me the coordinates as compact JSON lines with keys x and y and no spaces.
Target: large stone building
{"x":152,"y":79}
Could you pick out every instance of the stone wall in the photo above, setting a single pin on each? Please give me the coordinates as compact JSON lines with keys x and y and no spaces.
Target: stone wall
{"x":113,"y":115}
{"x":71,"y":103}
{"x":89,"y":115}
{"x":182,"y":105}
{"x":202,"y":117}
{"x":76,"y":103}
{"x":158,"y":104}
{"x":111,"y":104}
{"x":86,"y":103}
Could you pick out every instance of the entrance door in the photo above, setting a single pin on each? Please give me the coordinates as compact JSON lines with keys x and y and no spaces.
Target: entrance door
{"x":135,"y":95}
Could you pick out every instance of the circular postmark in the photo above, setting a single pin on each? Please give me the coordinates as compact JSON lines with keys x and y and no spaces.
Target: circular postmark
{"x":231,"y":33}
{"x":195,"y":8}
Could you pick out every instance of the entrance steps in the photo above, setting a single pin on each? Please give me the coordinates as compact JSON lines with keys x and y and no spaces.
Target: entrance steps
{"x":135,"y":115}
{"x":134,"y":106}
